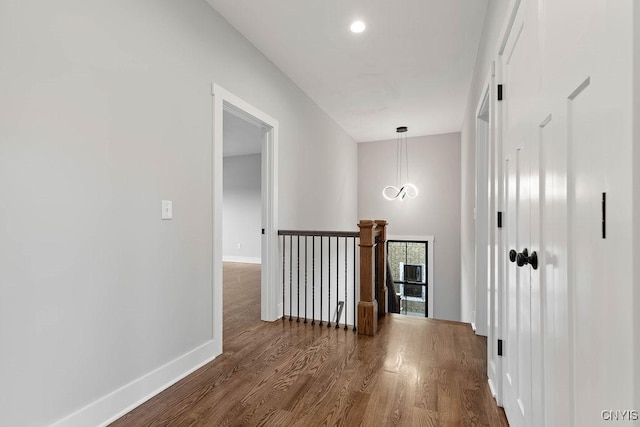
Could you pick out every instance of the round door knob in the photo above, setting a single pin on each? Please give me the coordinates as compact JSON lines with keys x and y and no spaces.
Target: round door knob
{"x":522,"y":258}
{"x":533,"y":260}
{"x":512,"y":255}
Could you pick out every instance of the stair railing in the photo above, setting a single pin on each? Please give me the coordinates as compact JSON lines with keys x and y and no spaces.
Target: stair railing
{"x":319,"y":276}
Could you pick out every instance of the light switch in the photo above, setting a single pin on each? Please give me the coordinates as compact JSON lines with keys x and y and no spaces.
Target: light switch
{"x":167,"y":209}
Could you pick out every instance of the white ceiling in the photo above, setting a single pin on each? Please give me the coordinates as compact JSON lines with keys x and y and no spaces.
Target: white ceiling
{"x":240,"y":136}
{"x":411,"y":67}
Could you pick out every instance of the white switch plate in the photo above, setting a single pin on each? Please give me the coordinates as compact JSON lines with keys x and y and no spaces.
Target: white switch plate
{"x":167,"y":209}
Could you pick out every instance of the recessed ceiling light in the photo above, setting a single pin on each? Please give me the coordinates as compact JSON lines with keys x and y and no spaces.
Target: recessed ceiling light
{"x":358,"y":27}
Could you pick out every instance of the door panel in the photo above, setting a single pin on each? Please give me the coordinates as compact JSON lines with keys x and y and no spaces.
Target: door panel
{"x":512,"y":328}
{"x":523,"y":285}
{"x":587,"y":272}
{"x":536,"y":188}
{"x":522,"y":321}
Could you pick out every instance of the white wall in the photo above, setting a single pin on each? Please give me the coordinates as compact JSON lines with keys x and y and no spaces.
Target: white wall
{"x":493,"y":21}
{"x":242,"y":208}
{"x":434,"y":167}
{"x":106,"y":109}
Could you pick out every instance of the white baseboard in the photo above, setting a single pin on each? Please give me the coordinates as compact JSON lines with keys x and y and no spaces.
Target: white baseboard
{"x":242,"y":259}
{"x":117,"y":403}
{"x":492,"y":388}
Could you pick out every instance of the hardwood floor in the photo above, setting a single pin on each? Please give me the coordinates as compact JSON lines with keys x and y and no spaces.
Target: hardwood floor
{"x":415,"y":372}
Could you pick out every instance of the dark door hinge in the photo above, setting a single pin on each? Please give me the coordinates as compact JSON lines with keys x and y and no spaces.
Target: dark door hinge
{"x":263,"y":231}
{"x":499,"y":347}
{"x":604,"y":215}
{"x":500,"y":94}
{"x":499,"y":219}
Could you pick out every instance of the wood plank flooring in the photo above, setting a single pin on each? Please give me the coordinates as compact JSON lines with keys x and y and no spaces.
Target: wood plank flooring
{"x":415,"y":372}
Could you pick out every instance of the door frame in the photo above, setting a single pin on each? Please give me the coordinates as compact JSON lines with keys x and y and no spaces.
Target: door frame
{"x":482,"y":214}
{"x":430,"y":266}
{"x":494,"y":236}
{"x":269,"y":309}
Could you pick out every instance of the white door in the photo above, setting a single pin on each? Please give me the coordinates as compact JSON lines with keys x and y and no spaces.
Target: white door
{"x":600,"y":178}
{"x":522,"y":359}
{"x":566,"y":89}
{"x":517,"y":352}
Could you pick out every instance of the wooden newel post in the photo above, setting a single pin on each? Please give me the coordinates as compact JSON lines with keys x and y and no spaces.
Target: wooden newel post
{"x":381,"y":268}
{"x":368,"y":306}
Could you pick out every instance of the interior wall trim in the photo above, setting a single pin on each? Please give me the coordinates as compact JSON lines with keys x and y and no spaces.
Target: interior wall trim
{"x":242,"y":259}
{"x":109,"y":408}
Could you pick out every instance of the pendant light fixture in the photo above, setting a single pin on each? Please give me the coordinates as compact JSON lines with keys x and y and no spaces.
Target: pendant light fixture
{"x":402,"y":191}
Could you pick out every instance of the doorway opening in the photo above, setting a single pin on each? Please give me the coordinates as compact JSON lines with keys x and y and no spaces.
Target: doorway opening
{"x":245,"y":142}
{"x":410,"y":264}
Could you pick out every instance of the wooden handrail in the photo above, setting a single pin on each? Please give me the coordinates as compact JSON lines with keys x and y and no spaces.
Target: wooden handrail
{"x":318,"y":233}
{"x":373,"y":236}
